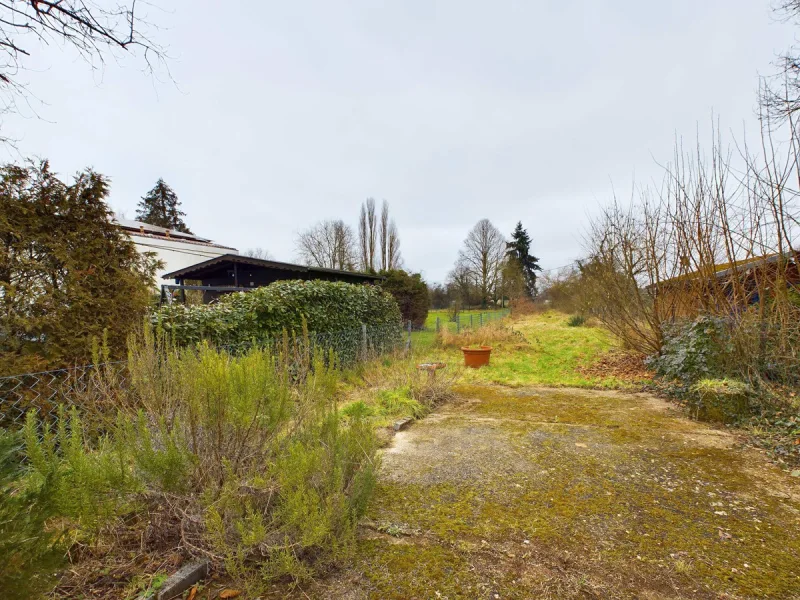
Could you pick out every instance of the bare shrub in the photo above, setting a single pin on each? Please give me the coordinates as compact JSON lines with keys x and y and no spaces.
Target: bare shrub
{"x":715,"y":239}
{"x":525,"y":306}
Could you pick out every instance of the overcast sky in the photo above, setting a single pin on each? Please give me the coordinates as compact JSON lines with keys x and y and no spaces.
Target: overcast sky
{"x":285,"y":113}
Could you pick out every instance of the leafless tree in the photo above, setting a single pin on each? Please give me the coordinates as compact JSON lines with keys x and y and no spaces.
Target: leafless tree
{"x":378,"y":239}
{"x":482,"y":257}
{"x":259,"y":253}
{"x":462,"y":281}
{"x":368,"y":234}
{"x":383,"y":235}
{"x":779,"y":94}
{"x":94,"y":29}
{"x":718,"y":237}
{"x":328,"y":244}
{"x":394,"y":259}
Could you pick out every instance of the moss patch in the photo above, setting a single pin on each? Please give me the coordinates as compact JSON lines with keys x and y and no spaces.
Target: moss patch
{"x":571,"y":494}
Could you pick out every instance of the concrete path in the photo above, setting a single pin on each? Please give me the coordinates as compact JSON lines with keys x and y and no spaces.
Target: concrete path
{"x":562,"y":493}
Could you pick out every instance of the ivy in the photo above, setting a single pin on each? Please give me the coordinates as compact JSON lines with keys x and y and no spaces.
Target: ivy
{"x":324,"y":307}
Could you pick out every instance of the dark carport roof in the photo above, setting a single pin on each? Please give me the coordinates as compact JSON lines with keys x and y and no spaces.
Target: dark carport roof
{"x":194,"y":271}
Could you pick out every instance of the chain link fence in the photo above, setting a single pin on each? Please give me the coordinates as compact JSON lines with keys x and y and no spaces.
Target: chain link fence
{"x":46,"y":391}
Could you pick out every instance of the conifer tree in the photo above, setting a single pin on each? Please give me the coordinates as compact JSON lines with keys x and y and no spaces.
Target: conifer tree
{"x":161,"y":207}
{"x":68,"y":274}
{"x":519,"y":250}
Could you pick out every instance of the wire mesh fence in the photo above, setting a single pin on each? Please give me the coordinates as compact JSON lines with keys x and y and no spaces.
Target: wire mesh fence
{"x":438,"y":320}
{"x":45,"y":392}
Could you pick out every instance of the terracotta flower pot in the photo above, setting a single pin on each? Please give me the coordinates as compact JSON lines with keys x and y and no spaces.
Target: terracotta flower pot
{"x":476,"y":357}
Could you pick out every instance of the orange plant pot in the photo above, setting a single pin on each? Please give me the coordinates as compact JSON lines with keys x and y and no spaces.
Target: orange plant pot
{"x":476,"y":358}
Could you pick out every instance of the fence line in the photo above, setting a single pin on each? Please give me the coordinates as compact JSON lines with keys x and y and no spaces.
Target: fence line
{"x":461,"y":321}
{"x":46,"y":391}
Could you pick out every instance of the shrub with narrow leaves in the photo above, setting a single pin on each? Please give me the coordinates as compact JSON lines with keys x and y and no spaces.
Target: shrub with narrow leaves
{"x":30,"y":552}
{"x":241,"y":457}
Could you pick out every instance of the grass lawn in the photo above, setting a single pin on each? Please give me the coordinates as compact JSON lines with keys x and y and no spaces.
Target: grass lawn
{"x":549,"y":353}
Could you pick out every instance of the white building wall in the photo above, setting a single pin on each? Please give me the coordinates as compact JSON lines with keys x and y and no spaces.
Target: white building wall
{"x":176,"y":254}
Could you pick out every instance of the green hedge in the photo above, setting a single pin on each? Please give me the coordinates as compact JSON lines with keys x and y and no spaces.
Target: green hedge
{"x":329,"y":309}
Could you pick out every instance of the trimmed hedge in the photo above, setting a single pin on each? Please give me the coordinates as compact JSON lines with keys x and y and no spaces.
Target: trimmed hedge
{"x":326,"y":307}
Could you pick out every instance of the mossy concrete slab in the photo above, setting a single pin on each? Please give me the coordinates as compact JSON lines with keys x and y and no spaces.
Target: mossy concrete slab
{"x":561,"y":493}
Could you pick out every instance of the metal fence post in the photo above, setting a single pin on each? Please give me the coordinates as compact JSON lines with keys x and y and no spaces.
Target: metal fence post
{"x":437,"y":325}
{"x":481,"y":320}
{"x":408,"y":343}
{"x":470,"y":321}
{"x":364,"y":342}
{"x":458,"y":324}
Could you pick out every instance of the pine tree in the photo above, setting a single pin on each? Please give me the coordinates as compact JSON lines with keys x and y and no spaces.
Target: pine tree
{"x":161,"y":207}
{"x":519,"y":250}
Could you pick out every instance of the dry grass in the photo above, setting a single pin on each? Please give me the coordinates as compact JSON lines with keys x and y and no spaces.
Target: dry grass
{"x":492,"y":333}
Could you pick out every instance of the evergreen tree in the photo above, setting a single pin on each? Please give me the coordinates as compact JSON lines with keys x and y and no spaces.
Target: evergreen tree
{"x":519,"y":251}
{"x":161,"y":207}
{"x":68,"y":274}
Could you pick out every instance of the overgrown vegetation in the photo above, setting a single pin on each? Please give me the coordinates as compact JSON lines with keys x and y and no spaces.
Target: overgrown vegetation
{"x":68,"y":273}
{"x":491,"y":333}
{"x":395,"y":387}
{"x":30,"y":552}
{"x":243,"y":459}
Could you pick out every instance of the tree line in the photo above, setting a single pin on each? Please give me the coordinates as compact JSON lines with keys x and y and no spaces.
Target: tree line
{"x":490,"y":270}
{"x":333,"y":244}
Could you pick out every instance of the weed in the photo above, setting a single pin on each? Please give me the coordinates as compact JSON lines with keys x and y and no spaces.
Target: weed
{"x":243,"y":459}
{"x":30,"y":552}
{"x":576,"y":321}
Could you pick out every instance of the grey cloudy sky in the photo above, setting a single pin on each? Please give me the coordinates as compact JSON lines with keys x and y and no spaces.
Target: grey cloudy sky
{"x":284,"y":113}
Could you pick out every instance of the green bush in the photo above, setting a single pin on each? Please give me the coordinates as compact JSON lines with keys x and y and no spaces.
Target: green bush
{"x":411,"y":294}
{"x":242,"y":457}
{"x":30,"y":553}
{"x":576,"y":321}
{"x":693,"y":350}
{"x":325,"y":308}
{"x":69,"y":272}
